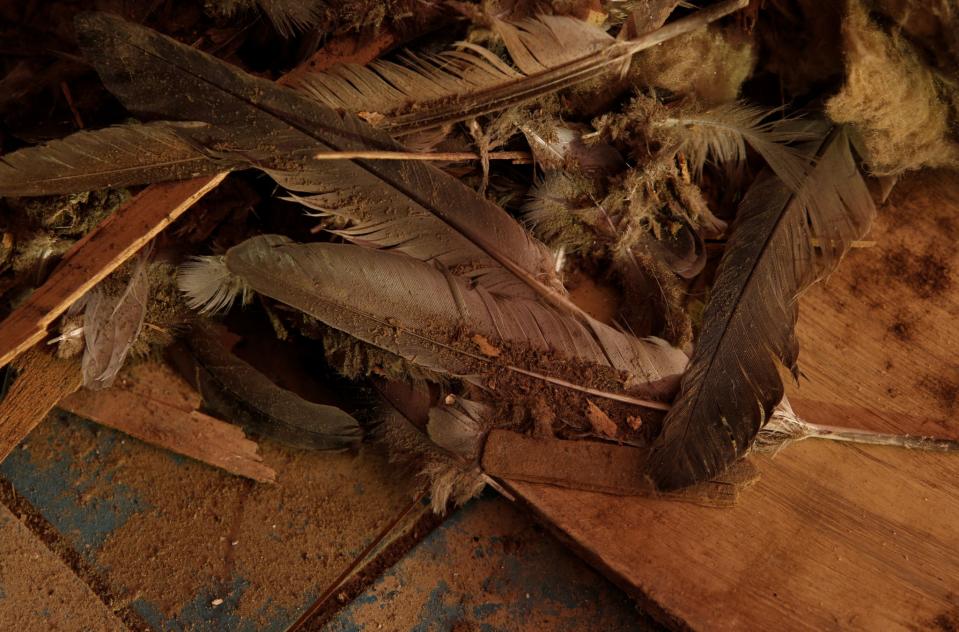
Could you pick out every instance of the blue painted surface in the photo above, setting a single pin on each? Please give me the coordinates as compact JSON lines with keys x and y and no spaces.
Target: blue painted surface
{"x":489,"y":568}
{"x":55,"y":489}
{"x":486,"y":567}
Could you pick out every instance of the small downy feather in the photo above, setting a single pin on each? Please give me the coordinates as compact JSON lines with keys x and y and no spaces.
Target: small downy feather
{"x":124,"y":155}
{"x":722,"y":133}
{"x":404,"y":427}
{"x":290,"y":16}
{"x":457,"y":427}
{"x":111,"y":325}
{"x":209,"y":286}
{"x":780,"y":245}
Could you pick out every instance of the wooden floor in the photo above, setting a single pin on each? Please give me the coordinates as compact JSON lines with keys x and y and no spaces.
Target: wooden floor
{"x":833,"y":537}
{"x":99,"y":531}
{"x":103,"y":532}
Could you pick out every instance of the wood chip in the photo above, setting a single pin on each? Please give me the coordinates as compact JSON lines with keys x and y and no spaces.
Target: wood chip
{"x":132,"y":408}
{"x":486,"y":347}
{"x":600,"y":421}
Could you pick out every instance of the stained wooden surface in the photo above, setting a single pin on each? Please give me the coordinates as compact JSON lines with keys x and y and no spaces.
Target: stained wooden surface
{"x":155,"y":405}
{"x":42,"y":380}
{"x":832,"y":537}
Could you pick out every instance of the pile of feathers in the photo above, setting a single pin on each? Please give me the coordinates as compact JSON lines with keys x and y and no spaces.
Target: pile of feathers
{"x":440,"y":216}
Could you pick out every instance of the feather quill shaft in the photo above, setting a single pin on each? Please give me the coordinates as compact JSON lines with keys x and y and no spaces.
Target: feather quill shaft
{"x":733,"y":383}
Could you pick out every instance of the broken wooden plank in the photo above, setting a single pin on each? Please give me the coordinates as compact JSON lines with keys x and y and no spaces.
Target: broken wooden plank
{"x":121,"y":235}
{"x":832,"y":536}
{"x":100,"y":252}
{"x":42,"y":380}
{"x":133,"y":407}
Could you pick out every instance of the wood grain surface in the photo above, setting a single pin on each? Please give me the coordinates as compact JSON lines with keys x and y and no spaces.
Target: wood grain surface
{"x":42,"y":379}
{"x":155,"y":405}
{"x":832,"y":537}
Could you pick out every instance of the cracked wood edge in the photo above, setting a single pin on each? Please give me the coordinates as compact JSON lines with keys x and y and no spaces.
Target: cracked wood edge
{"x":96,"y":255}
{"x":152,"y":409}
{"x":43,"y":379}
{"x":124,"y":233}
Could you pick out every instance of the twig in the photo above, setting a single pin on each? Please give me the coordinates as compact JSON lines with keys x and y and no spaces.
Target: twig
{"x":453,"y":156}
{"x":73,"y":108}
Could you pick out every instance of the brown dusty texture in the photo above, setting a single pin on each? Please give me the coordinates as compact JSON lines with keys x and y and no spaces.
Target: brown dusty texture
{"x":203,"y":529}
{"x":490,"y":567}
{"x":892,"y":99}
{"x":831,"y":537}
{"x":39,"y":592}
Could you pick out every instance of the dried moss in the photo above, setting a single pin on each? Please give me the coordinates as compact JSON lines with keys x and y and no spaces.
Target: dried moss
{"x":710,"y":63}
{"x":892,"y":99}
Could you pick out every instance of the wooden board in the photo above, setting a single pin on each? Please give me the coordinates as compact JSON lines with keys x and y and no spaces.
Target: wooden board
{"x":832,"y":537}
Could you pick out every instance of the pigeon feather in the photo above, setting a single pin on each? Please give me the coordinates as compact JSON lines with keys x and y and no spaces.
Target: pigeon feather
{"x":433,"y":318}
{"x":119,"y":156}
{"x":780,"y":245}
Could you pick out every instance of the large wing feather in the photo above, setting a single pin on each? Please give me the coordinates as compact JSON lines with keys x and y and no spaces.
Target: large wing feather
{"x":781,"y":244}
{"x":549,"y":53}
{"x":124,"y":155}
{"x":431,"y":317}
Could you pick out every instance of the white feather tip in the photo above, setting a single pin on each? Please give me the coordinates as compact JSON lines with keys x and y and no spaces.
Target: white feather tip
{"x":209,"y":285}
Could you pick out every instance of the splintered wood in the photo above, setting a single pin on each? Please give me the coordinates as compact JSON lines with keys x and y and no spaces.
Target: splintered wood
{"x":159,"y":408}
{"x":42,"y":379}
{"x":832,"y":536}
{"x":99,"y":253}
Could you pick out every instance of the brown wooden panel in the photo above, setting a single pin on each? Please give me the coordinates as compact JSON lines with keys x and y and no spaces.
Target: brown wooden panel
{"x":832,"y":536}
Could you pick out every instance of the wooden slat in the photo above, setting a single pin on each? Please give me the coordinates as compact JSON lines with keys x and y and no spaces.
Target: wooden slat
{"x":832,"y":537}
{"x":42,"y":380}
{"x":151,"y":408}
{"x":100,"y":252}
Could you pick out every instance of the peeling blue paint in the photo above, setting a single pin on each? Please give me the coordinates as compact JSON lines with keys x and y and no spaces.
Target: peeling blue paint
{"x":56,"y":491}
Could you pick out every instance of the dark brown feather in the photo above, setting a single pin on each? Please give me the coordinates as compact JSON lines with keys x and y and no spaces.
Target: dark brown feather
{"x":241,"y":394}
{"x":733,"y":383}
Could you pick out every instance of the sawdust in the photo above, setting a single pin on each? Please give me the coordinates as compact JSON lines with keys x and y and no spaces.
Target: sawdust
{"x":37,"y":591}
{"x":204,"y":528}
